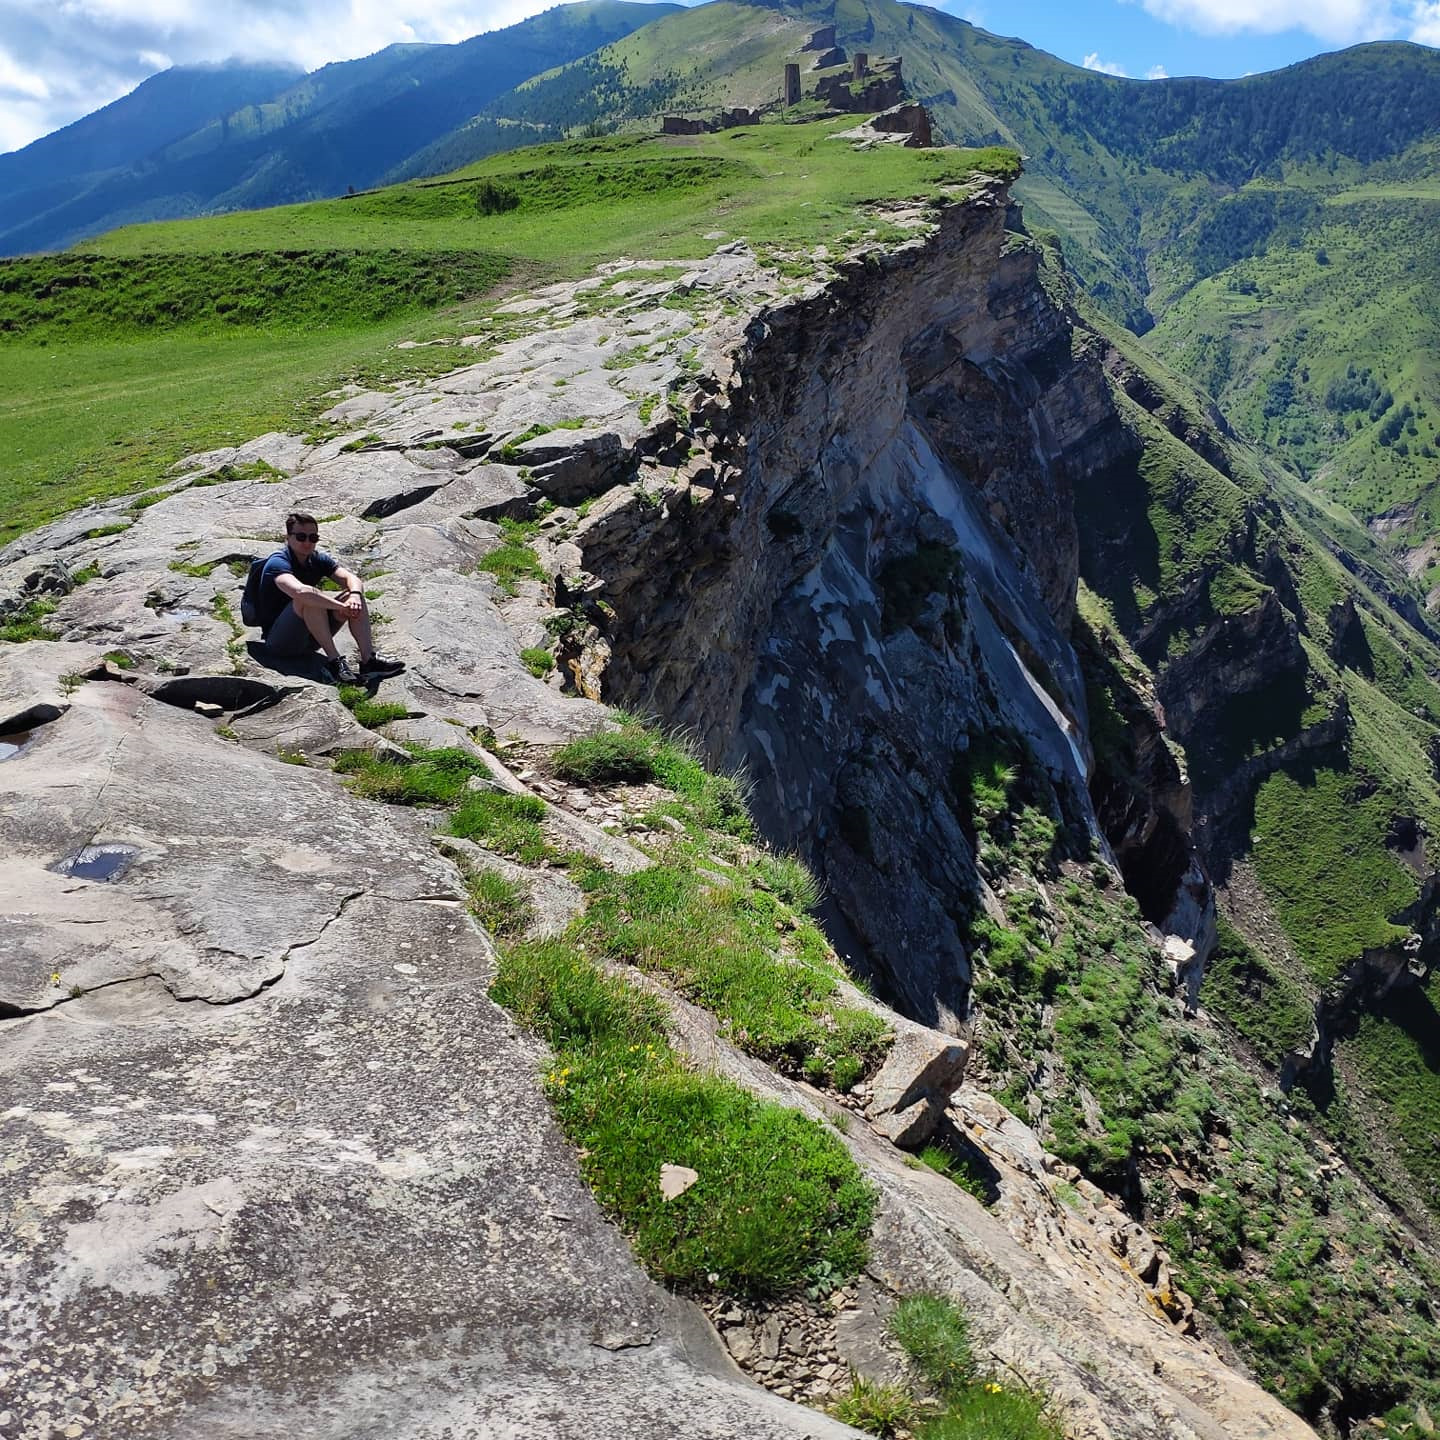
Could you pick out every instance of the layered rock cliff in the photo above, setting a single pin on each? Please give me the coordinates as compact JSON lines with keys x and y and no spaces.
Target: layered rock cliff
{"x":878,"y":573}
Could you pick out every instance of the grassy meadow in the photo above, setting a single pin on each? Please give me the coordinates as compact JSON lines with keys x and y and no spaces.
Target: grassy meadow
{"x":168,"y":338}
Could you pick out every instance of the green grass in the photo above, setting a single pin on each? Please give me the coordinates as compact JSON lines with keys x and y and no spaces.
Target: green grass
{"x":964,"y":1169}
{"x":103,"y":387}
{"x":88,"y":420}
{"x":934,"y":1333}
{"x":513,"y":560}
{"x":537,"y":660}
{"x":609,"y":757}
{"x":1283,"y":342}
{"x":589,"y":200}
{"x":1246,"y":990}
{"x":1395,"y":1055}
{"x":54,"y":299}
{"x":620,"y":1091}
{"x":430,"y":777}
{"x":778,"y":1196}
{"x":1235,"y":592}
{"x":635,"y":754}
{"x":874,"y":1407}
{"x":371,"y":713}
{"x":996,"y":1414}
{"x":507,"y":824}
{"x":1319,"y":850}
{"x":720,"y":947}
{"x":500,"y":905}
{"x":28,"y":622}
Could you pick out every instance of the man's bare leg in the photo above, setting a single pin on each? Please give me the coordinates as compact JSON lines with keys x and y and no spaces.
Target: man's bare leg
{"x":316,"y":615}
{"x":359,"y":622}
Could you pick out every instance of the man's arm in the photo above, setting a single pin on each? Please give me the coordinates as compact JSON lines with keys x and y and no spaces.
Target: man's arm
{"x":353,"y":591}
{"x":291,"y":586}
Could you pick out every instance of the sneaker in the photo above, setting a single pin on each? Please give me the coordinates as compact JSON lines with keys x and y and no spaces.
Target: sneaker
{"x":377,"y":667}
{"x":340,"y":672}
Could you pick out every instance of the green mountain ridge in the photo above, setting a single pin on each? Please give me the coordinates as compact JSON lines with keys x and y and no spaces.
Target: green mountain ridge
{"x":341,"y":128}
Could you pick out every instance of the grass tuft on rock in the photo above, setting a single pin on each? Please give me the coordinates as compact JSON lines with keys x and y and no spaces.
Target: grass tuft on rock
{"x":507,"y":824}
{"x":371,"y":713}
{"x":876,"y":1408}
{"x":609,"y":757}
{"x":778,"y":1195}
{"x":514,"y":559}
{"x":961,"y":1168}
{"x":934,"y":1333}
{"x":429,"y":777}
{"x":499,"y":904}
{"x":634,"y":754}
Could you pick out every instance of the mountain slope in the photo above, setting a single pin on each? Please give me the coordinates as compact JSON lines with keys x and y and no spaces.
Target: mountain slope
{"x":342,"y":127}
{"x":1278,"y":228}
{"x":161,"y":110}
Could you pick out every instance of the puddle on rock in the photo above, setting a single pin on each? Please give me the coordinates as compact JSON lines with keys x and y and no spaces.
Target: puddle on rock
{"x":98,"y":862}
{"x":11,"y":745}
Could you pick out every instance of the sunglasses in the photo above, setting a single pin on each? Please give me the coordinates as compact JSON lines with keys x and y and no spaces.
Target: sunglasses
{"x":305,"y":537}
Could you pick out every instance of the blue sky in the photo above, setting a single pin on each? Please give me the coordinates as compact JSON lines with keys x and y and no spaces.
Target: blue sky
{"x":1198,"y":37}
{"x":61,"y":59}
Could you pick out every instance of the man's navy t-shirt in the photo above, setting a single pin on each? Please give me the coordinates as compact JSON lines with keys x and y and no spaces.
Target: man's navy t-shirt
{"x":283,"y":562}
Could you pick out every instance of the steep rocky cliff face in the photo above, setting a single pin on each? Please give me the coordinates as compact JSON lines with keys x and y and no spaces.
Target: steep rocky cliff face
{"x":856,"y":581}
{"x":886,"y":580}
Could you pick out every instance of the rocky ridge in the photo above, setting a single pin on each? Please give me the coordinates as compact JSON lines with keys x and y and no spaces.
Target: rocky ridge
{"x":240,"y":1083}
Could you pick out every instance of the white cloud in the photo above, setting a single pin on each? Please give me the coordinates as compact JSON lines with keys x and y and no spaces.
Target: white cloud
{"x":1339,"y":22}
{"x":15,"y":81}
{"x":69,"y":57}
{"x":1157,"y":72}
{"x":1425,"y":22}
{"x":1106,"y":67}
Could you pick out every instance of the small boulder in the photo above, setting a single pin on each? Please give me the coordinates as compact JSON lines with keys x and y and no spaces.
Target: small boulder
{"x":922,"y":1064}
{"x":912,"y":1127}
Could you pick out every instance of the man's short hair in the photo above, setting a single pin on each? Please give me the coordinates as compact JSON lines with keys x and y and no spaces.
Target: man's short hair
{"x":298,"y":518}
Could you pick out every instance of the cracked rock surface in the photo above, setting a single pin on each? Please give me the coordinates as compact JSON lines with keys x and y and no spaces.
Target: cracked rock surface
{"x":273,"y":1163}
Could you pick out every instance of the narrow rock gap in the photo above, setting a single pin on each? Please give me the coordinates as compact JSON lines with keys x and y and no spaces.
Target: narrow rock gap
{"x":32,"y":718}
{"x":392,"y":504}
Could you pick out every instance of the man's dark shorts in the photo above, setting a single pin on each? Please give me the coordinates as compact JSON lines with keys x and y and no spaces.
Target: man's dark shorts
{"x":289,"y":635}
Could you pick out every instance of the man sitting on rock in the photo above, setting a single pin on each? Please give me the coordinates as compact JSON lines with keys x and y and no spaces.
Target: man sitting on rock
{"x":297,"y":617}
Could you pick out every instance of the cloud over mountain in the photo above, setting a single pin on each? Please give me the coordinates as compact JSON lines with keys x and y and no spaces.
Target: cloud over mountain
{"x":59,"y":62}
{"x":1339,"y":22}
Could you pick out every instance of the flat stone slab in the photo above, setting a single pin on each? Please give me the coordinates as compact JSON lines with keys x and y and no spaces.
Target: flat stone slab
{"x":329,"y":1202}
